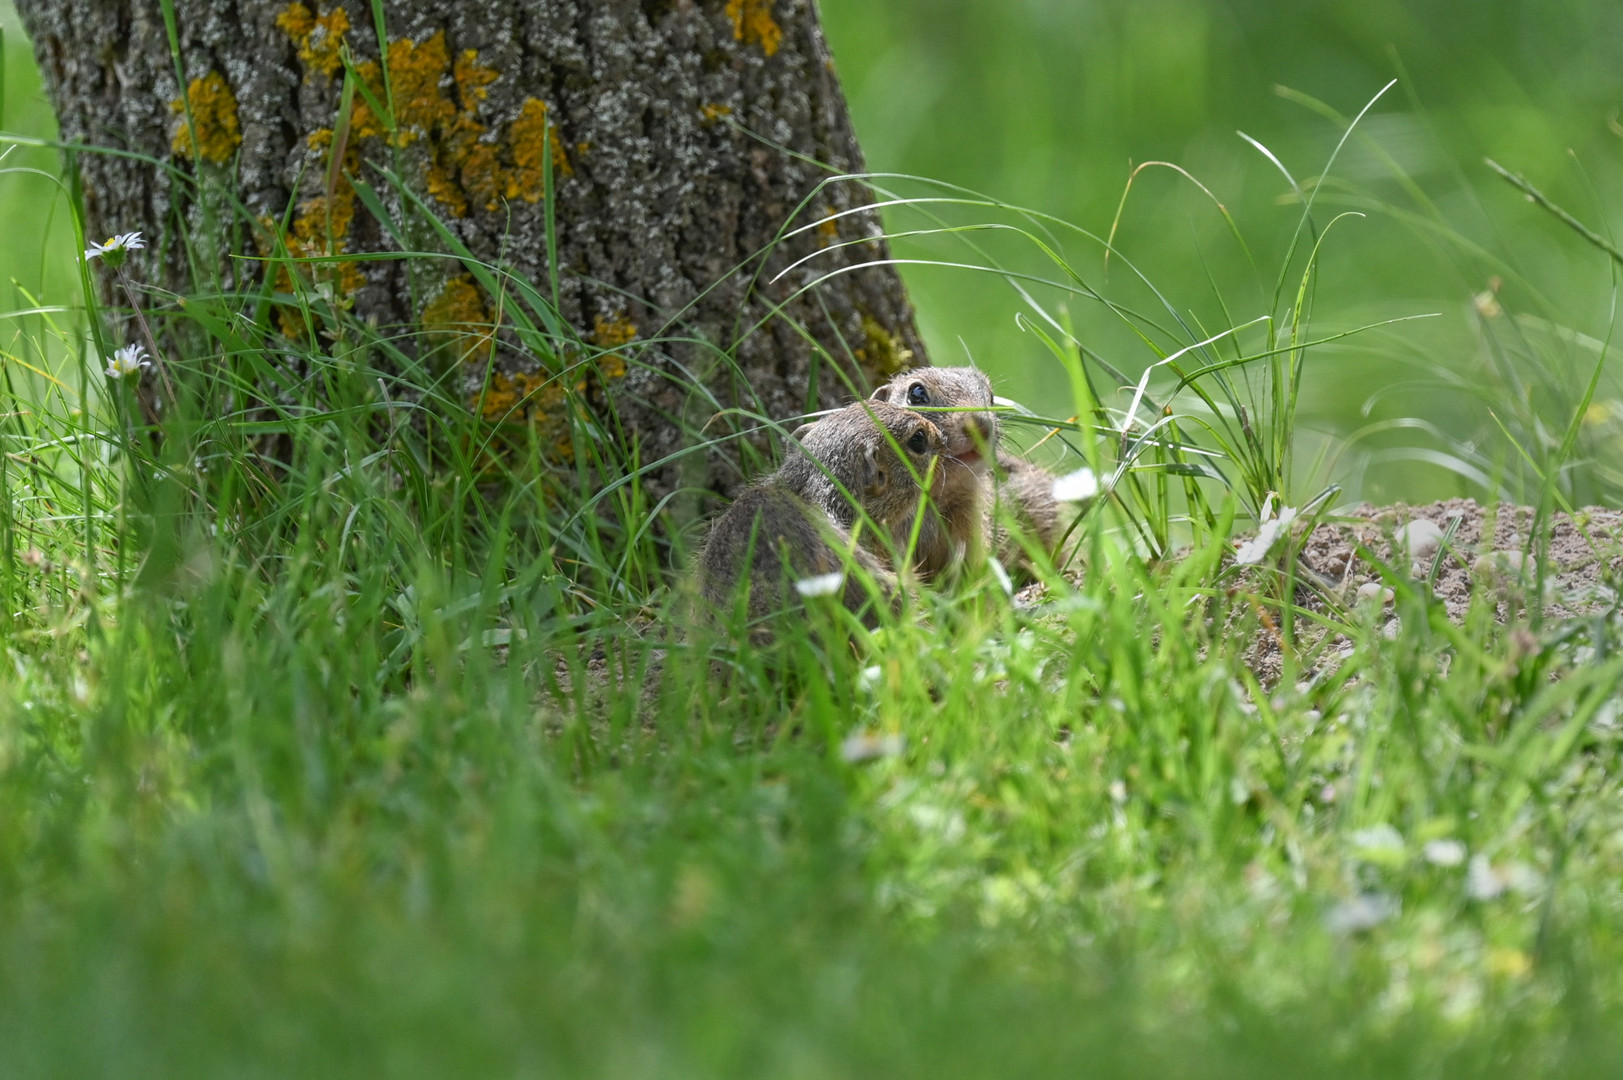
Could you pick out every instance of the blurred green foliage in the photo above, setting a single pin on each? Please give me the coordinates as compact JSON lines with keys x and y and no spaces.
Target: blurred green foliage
{"x":1049,"y":103}
{"x":36,"y":228}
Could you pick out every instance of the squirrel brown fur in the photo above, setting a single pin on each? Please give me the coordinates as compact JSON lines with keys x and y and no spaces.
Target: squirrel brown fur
{"x":865,"y":461}
{"x":954,"y":529}
{"x":964,"y":518}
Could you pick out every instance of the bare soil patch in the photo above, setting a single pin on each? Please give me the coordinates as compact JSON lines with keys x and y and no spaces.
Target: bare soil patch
{"x":1471,"y":549}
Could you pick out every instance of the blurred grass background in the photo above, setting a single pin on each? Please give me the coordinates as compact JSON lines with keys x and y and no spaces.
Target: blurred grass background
{"x":1049,"y":104}
{"x":36,"y":230}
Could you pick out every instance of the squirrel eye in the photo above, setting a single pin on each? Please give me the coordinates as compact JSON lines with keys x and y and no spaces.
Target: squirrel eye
{"x":918,"y":395}
{"x":918,"y":442}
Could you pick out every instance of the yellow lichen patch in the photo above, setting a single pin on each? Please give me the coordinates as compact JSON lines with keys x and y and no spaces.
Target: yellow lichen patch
{"x":320,"y":229}
{"x":534,"y":401}
{"x":610,"y":333}
{"x":828,"y":230}
{"x":443,"y":187}
{"x":483,"y":177}
{"x":363,"y":122}
{"x":319,"y":38}
{"x":458,"y":317}
{"x":321,"y":219}
{"x":521,"y":396}
{"x":471,"y":78}
{"x":213,"y":115}
{"x":753,"y":24}
{"x":884,"y":350}
{"x":297,"y":21}
{"x":531,"y":137}
{"x":415,"y":73}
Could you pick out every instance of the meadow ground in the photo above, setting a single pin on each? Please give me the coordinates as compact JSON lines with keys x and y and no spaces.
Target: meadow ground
{"x":340,"y":733}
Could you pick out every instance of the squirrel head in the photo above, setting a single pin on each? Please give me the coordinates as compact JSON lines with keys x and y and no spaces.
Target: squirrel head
{"x":957,"y":399}
{"x":878,"y":452}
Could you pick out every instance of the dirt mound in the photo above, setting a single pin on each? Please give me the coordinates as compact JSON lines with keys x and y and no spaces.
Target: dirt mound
{"x":1576,"y":570}
{"x":1498,"y":543}
{"x":1573,"y":572}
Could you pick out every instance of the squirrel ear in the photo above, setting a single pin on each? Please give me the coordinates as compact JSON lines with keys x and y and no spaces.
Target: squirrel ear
{"x":799,"y":433}
{"x":875,"y":480}
{"x":881,"y":393}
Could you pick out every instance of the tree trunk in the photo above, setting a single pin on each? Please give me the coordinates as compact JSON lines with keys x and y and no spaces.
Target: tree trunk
{"x":681,"y":136}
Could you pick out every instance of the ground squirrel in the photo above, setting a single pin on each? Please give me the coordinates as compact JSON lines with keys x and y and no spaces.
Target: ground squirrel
{"x":964,"y":514}
{"x":798,"y":523}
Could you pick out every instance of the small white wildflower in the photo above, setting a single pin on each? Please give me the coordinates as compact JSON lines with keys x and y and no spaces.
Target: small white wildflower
{"x":1379,"y":843}
{"x":1269,"y":530}
{"x":1445,"y":852}
{"x":865,"y":746}
{"x":1485,"y":881}
{"x":1523,"y":879}
{"x":1363,"y":912}
{"x":1482,"y":881}
{"x":127,"y":361}
{"x":1079,"y":486}
{"x":868,"y":678}
{"x":116,"y":248}
{"x":821,"y":584}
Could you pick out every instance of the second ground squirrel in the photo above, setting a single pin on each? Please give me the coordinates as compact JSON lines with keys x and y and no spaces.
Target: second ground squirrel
{"x":964,"y":513}
{"x":865,"y":460}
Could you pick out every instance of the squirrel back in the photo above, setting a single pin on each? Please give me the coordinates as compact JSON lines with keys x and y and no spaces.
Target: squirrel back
{"x":796,"y":525}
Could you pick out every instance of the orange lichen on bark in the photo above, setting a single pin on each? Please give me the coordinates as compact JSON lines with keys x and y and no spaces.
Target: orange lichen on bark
{"x":612,"y":332}
{"x":364,"y":123}
{"x":459,"y":318}
{"x":471,"y":78}
{"x":214,"y":118}
{"x":548,"y":404}
{"x":528,"y":401}
{"x":467,"y":166}
{"x":297,"y":21}
{"x":753,"y":24}
{"x":415,"y":71}
{"x":531,"y":138}
{"x":828,"y":230}
{"x":319,"y":38}
{"x":319,"y":230}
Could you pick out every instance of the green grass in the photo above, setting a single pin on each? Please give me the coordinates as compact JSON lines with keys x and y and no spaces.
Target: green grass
{"x":333,"y":740}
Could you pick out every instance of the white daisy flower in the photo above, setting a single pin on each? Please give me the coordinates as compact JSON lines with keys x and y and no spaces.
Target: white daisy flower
{"x":116,"y":248}
{"x":821,"y":585}
{"x":1079,"y":486}
{"x":127,"y":361}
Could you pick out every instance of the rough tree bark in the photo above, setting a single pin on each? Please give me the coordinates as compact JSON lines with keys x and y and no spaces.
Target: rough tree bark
{"x":682,"y":134}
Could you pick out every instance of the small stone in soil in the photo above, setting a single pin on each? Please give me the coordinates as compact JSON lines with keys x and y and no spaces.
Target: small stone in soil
{"x":1420,"y":538}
